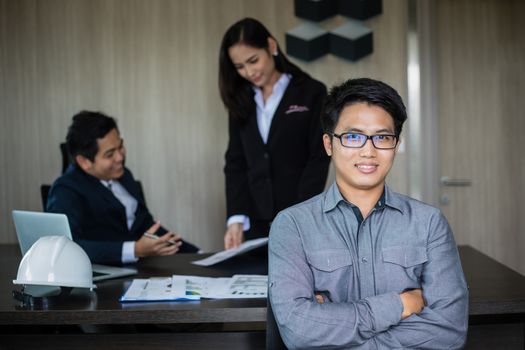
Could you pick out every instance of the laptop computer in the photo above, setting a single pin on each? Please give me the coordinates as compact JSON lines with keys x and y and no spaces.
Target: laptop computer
{"x":30,"y":226}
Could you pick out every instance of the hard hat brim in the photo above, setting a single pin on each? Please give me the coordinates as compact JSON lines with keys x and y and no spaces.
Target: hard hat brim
{"x":61,"y":284}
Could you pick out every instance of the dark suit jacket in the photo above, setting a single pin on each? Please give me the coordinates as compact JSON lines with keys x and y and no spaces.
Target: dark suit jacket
{"x":262,"y":179}
{"x":96,"y":217}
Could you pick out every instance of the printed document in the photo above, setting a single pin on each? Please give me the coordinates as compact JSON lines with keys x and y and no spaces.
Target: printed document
{"x":180,"y":287}
{"x":229,"y":253}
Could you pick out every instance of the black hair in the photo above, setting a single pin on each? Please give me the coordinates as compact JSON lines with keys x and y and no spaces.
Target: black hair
{"x":365,"y":90}
{"x":236,"y":92}
{"x":86,"y":128}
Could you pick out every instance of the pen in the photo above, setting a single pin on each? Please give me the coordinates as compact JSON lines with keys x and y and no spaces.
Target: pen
{"x":153,"y":236}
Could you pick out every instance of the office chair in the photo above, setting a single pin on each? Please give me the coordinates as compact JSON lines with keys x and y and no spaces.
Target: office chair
{"x":44,"y":192}
{"x":65,"y":157}
{"x":44,"y":188}
{"x":273,"y":337}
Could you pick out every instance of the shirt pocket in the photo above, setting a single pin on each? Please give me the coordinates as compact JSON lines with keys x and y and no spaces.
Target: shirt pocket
{"x":332,"y":272}
{"x":404,"y":266}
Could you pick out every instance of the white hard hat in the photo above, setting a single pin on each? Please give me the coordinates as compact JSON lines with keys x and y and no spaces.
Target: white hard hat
{"x":55,"y":261}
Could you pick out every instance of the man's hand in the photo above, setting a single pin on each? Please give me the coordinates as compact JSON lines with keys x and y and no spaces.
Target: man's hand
{"x":167,"y":244}
{"x":234,"y":236}
{"x":319,"y":298}
{"x":412,"y":301}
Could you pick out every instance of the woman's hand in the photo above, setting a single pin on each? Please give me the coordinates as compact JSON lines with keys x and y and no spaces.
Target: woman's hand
{"x":234,"y":236}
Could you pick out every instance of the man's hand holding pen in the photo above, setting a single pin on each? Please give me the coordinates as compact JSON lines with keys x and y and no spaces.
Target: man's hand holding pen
{"x":152,"y":245}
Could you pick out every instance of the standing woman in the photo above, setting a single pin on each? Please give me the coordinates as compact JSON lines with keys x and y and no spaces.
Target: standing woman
{"x":275,"y":156}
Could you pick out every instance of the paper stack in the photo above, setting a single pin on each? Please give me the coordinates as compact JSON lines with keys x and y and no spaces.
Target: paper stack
{"x":181,"y":287}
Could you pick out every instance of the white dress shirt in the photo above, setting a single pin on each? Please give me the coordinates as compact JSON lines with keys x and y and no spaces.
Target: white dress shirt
{"x":130,"y":203}
{"x":266,"y":111}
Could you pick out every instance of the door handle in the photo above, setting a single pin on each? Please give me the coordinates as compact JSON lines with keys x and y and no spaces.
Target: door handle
{"x":447,"y":181}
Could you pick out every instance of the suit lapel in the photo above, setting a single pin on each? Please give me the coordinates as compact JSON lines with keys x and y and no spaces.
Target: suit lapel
{"x":130,"y":185}
{"x":113,"y":201}
{"x":281,"y":108}
{"x":105,"y":195}
{"x":252,"y":127}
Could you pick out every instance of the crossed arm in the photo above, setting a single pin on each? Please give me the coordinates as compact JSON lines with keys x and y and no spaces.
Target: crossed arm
{"x":384,"y":321}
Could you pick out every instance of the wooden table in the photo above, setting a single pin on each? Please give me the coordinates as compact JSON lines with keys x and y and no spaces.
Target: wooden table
{"x":496,"y":303}
{"x":497,"y":309}
{"x":205,"y":324}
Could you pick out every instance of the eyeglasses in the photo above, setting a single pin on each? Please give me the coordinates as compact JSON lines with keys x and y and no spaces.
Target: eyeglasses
{"x":357,"y":140}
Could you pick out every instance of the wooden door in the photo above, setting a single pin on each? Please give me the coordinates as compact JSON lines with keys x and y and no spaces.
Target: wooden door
{"x":480,"y":73}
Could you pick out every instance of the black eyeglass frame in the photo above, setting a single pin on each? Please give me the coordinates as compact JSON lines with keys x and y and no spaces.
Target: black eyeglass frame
{"x":367,"y":137}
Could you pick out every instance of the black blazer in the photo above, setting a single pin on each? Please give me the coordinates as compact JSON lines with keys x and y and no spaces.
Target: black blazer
{"x":96,"y":217}
{"x":263,"y":179}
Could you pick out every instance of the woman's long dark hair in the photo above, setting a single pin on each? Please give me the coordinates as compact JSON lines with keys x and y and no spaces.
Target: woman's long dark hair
{"x":236,"y":92}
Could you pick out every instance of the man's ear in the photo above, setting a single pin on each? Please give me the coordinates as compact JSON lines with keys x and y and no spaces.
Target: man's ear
{"x":272,"y":46}
{"x":397,"y":146}
{"x":327,"y":142}
{"x":83,"y":162}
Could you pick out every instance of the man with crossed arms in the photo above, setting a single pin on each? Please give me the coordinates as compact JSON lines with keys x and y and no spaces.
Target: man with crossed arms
{"x":361,"y":266}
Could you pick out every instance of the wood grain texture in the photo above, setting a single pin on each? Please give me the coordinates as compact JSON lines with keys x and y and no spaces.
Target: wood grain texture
{"x":480,"y":84}
{"x":154,"y":66}
{"x":496,"y":294}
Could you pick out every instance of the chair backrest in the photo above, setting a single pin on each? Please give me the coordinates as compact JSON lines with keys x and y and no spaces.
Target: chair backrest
{"x":273,"y":337}
{"x":44,"y":192}
{"x":44,"y":188}
{"x":65,"y":156}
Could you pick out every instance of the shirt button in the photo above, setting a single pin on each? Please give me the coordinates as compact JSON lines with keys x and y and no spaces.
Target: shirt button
{"x":364,"y":260}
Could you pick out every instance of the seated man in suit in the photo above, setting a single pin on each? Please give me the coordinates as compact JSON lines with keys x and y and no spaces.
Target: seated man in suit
{"x":104,"y":204}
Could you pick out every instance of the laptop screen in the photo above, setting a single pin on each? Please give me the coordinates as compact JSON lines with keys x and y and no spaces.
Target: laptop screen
{"x":30,"y":226}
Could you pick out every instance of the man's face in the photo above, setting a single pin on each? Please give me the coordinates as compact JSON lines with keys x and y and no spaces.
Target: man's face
{"x":109,"y":160}
{"x":361,"y":169}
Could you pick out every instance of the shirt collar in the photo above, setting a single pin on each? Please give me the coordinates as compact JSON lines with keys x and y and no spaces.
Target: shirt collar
{"x":393,"y":199}
{"x":108,"y":183}
{"x":333,"y":197}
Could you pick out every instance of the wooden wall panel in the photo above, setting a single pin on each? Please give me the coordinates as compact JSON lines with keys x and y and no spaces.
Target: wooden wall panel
{"x":153,"y":65}
{"x":481,"y":82}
